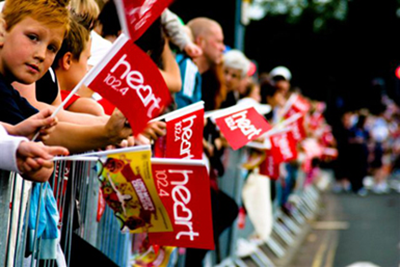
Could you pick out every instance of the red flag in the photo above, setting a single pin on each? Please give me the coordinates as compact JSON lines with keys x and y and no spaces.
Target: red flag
{"x":184,"y":138}
{"x":298,"y":130}
{"x":316,"y":121}
{"x":184,"y":189}
{"x":296,"y":124}
{"x":135,"y":16}
{"x":296,"y":104}
{"x":241,"y":126}
{"x":286,"y":145}
{"x":129,"y":79}
{"x":270,"y":166}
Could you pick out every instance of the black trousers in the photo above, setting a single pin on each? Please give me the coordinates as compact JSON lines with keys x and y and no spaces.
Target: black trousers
{"x":224,"y":212}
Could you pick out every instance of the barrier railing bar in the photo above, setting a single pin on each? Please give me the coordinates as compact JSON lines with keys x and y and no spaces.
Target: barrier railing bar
{"x":36,"y":226}
{"x":25,"y":231}
{"x":289,"y":223}
{"x":310,"y":202}
{"x":263,"y":258}
{"x":297,"y":215}
{"x":86,"y":204}
{"x":239,"y":180}
{"x":84,"y":196}
{"x":118,"y":247}
{"x":109,"y":231}
{"x":38,"y":250}
{"x":60,"y":196}
{"x":68,"y":236}
{"x":282,"y":233}
{"x":239,"y":262}
{"x":257,"y":260}
{"x":94,"y":188}
{"x":19,"y":222}
{"x":11,"y":221}
{"x":275,"y":247}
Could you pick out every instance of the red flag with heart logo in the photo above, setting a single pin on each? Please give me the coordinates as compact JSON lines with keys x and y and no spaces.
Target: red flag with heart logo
{"x":285,"y":145}
{"x":135,"y":16}
{"x":296,"y":124}
{"x":270,"y":166}
{"x":296,"y":104}
{"x":240,"y":125}
{"x":184,"y":138}
{"x":184,"y":189}
{"x":298,"y":130}
{"x":129,"y":79}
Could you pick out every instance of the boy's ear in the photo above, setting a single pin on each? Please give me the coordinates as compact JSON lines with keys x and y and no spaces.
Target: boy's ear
{"x":2,"y":31}
{"x":66,"y":60}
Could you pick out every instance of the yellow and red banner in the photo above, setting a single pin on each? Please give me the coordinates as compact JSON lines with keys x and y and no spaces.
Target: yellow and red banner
{"x":128,"y":188}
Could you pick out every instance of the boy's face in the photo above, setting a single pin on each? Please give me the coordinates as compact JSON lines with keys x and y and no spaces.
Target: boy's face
{"x":79,"y":68}
{"x":28,"y":50}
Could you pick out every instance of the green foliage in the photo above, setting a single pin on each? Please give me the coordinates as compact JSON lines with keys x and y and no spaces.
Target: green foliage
{"x":321,"y":10}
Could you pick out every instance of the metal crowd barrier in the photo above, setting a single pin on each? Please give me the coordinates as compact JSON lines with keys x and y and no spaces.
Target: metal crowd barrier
{"x":76,"y":191}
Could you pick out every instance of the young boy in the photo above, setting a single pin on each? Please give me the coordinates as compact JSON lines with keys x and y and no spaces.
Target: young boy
{"x":70,"y":66}
{"x":33,"y":34}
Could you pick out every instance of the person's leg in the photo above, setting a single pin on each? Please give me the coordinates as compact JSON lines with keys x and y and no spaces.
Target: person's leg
{"x":224,"y":212}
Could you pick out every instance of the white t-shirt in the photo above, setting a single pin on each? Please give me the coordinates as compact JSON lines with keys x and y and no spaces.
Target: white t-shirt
{"x":261,"y":108}
{"x":99,"y":48}
{"x":8,"y":150}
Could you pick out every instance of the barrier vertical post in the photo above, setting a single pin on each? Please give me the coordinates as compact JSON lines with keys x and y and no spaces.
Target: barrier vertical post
{"x":5,"y":191}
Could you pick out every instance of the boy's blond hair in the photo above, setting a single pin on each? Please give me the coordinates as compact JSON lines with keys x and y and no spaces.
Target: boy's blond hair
{"x":86,"y":12}
{"x":53,"y":13}
{"x":75,"y":42}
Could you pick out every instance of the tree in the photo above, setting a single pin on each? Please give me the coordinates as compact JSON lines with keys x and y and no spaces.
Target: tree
{"x":321,"y":10}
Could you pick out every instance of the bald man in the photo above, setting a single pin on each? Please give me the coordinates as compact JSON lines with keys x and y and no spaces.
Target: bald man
{"x":208,"y":35}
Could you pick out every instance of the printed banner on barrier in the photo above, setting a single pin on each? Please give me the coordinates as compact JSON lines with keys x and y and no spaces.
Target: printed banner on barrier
{"x":135,"y":16}
{"x":184,"y":188}
{"x":241,"y":125}
{"x":128,"y":188}
{"x":184,"y":138}
{"x":129,"y":79}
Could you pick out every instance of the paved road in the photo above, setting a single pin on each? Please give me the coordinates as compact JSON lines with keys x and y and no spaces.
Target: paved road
{"x":353,"y":229}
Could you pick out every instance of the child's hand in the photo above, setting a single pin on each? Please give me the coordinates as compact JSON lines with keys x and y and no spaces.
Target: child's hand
{"x":41,"y":122}
{"x":141,"y":140}
{"x":155,"y":129}
{"x":128,"y":142}
{"x":193,"y":50}
{"x":34,"y":160}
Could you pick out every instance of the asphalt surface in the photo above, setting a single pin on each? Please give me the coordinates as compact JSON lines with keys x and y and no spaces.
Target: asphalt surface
{"x":351,"y":229}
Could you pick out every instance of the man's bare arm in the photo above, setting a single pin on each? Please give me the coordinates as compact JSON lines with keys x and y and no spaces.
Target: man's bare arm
{"x":82,"y":138}
{"x":29,"y":93}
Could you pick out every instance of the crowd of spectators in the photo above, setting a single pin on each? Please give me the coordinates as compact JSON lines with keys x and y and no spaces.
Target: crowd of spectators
{"x":368,"y":148}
